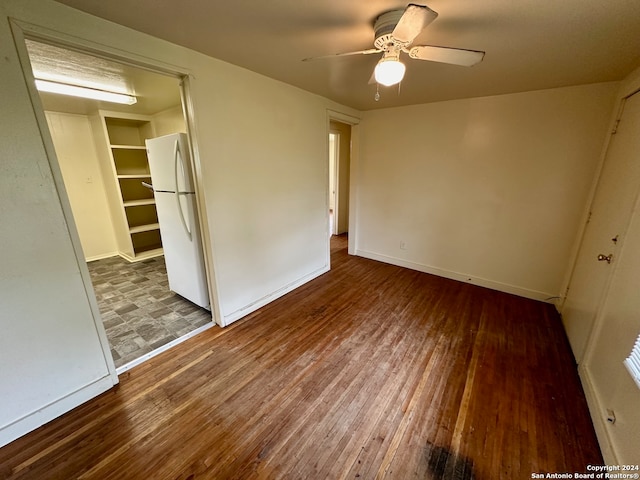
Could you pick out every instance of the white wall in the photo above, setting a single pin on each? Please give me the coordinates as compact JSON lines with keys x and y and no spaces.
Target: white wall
{"x":263,"y":154}
{"x":52,"y":353}
{"x":169,"y":121}
{"x":73,"y":140}
{"x":488,"y":190}
{"x":266,"y":183}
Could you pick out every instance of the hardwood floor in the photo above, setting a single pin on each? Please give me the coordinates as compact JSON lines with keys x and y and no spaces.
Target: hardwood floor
{"x":370,"y":371}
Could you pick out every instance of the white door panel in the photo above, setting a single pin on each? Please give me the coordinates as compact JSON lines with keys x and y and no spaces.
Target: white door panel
{"x":610,"y":214}
{"x":618,"y":328}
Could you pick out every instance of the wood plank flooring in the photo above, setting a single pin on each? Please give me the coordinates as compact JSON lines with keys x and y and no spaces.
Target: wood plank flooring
{"x":370,"y":371}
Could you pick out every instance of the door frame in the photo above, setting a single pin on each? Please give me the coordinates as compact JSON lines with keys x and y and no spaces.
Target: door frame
{"x":598,"y":321}
{"x":353,"y":167}
{"x":333,"y":180}
{"x":582,"y":356}
{"x":21,"y":31}
{"x":596,"y":408}
{"x":586,"y":229}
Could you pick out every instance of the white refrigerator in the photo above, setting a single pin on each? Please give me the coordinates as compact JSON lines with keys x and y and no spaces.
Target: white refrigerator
{"x":173,"y":187}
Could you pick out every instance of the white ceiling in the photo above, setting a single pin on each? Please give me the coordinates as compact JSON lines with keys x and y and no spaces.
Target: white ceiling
{"x":529,"y":44}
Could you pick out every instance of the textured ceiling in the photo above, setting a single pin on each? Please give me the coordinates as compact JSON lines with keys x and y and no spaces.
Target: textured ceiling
{"x":529,"y":44}
{"x":154,"y":92}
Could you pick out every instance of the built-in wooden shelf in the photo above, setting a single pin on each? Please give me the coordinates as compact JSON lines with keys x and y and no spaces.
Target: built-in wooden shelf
{"x":129,"y":147}
{"x":125,"y":138}
{"x":137,"y":203}
{"x":142,"y":175}
{"x":144,"y":228}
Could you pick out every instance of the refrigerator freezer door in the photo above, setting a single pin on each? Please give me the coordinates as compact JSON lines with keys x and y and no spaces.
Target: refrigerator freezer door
{"x":169,"y":163}
{"x":182,"y":253}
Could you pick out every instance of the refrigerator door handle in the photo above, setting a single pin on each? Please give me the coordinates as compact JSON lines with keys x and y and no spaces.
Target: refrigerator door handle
{"x":177,"y":157}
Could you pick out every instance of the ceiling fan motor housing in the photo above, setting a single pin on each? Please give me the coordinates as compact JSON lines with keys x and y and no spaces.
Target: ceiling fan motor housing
{"x":383,"y":27}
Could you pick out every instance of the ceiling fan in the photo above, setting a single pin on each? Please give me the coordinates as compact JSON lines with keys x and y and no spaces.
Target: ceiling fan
{"x":394,"y":32}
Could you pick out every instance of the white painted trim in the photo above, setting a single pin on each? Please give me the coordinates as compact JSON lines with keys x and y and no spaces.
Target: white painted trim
{"x":101,"y":50}
{"x":333,"y":230}
{"x":343,"y":117}
{"x":163,"y":348}
{"x":210,"y":259}
{"x":142,"y":256}
{"x":353,"y":163}
{"x":482,"y":282}
{"x":354,"y":168}
{"x":101,"y":256}
{"x":253,"y":306}
{"x":33,"y":420}
{"x":597,"y":417}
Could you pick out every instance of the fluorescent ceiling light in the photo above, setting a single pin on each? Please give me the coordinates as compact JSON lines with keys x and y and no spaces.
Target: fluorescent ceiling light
{"x":84,"y":92}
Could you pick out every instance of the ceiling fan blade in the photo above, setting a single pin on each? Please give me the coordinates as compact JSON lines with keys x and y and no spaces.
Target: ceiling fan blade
{"x":346,"y":54}
{"x":414,"y":19}
{"x":454,"y":56}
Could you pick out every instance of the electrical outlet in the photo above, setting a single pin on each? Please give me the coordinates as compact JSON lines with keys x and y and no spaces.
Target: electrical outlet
{"x":403,"y":245}
{"x":611,"y":416}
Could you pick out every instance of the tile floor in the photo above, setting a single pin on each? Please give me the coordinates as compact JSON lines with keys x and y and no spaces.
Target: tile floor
{"x":139,"y":311}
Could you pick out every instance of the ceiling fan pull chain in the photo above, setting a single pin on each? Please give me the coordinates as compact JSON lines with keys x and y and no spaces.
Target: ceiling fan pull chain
{"x":376,"y":97}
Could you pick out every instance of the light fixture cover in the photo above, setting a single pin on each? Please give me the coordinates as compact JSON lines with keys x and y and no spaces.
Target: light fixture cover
{"x":84,"y":92}
{"x":389,"y":71}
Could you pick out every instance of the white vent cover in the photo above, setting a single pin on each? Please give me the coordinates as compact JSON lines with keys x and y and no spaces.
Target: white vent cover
{"x":633,"y":362}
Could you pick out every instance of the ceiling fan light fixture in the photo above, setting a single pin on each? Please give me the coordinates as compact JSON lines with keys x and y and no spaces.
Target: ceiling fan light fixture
{"x":389,"y":71}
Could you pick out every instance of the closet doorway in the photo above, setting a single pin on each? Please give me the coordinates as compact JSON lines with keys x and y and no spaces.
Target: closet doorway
{"x":100,"y":149}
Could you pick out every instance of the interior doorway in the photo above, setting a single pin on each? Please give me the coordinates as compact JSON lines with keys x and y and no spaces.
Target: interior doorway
{"x":100,"y":150}
{"x":339,"y":176}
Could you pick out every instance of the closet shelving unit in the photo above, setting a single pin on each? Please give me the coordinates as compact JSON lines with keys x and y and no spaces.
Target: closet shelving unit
{"x":138,"y":232}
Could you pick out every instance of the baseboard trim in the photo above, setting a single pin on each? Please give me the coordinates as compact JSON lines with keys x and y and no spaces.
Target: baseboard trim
{"x":45,"y":414}
{"x":253,"y":306}
{"x":101,"y":257}
{"x":482,"y":282}
{"x":142,"y":256}
{"x":597,"y":418}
